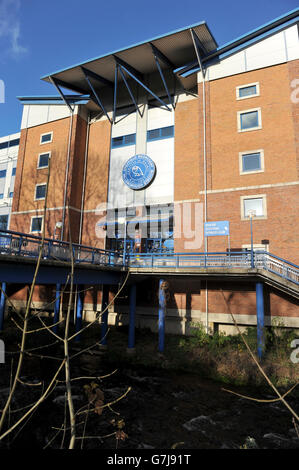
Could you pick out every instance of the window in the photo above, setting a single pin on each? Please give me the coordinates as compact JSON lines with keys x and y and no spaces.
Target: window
{"x":249,"y":120}
{"x":43,"y":160}
{"x":162,"y":133}
{"x":122,"y":141}
{"x":3,"y":222}
{"x":2,"y":173}
{"x":40,"y":191}
{"x":253,"y":203}
{"x":1,"y":195}
{"x":46,"y":138}
{"x":251,"y":162}
{"x":247,"y":91}
{"x":14,"y":143}
{"x":4,"y":145}
{"x":36,"y":224}
{"x":11,"y":194}
{"x":14,"y":171}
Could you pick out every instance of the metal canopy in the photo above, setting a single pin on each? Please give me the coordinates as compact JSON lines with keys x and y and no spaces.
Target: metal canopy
{"x":148,"y":66}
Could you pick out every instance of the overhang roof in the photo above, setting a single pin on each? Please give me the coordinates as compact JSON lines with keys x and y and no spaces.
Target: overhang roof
{"x":176,"y":46}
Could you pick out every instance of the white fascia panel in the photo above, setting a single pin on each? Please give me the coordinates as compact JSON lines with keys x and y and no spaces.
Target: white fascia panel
{"x":292,"y":40}
{"x":158,"y":117}
{"x":124,"y":125}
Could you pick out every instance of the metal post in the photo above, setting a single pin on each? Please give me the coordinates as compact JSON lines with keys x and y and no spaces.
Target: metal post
{"x":162,"y":308}
{"x":2,"y":305}
{"x":260,"y":318}
{"x":125,"y":242}
{"x":104,"y":322}
{"x":131,"y":340}
{"x":56,"y":308}
{"x":79,"y":312}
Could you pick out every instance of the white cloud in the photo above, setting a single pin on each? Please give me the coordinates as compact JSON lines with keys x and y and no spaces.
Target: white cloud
{"x":10,"y":27}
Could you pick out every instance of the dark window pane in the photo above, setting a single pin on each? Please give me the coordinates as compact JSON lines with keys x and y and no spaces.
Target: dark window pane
{"x":3,"y":222}
{"x":251,"y":162}
{"x":40,"y":191}
{"x":1,"y":195}
{"x":247,"y":91}
{"x":36,"y":224}
{"x":46,"y":138}
{"x":2,"y":173}
{"x":14,"y":142}
{"x":249,"y":120}
{"x":167,"y":131}
{"x":153,"y":134}
{"x":117,"y":142}
{"x":14,"y":171}
{"x":43,"y":160}
{"x":3,"y":145}
{"x":11,"y":194}
{"x":129,"y":139}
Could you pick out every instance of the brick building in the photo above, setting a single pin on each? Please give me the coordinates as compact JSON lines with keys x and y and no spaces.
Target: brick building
{"x":218,"y":125}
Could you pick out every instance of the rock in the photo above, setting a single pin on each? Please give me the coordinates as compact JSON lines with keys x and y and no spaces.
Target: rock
{"x":196,"y":424}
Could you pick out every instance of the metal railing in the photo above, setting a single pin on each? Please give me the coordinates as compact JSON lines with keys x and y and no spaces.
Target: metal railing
{"x":15,"y":243}
{"x":227,"y":260}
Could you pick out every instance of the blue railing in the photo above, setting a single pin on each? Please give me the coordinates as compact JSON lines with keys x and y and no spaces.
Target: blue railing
{"x":241,"y":259}
{"x":16,"y":243}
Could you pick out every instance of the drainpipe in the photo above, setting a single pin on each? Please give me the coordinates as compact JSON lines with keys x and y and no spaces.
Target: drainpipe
{"x":84,"y":178}
{"x":66,"y":174}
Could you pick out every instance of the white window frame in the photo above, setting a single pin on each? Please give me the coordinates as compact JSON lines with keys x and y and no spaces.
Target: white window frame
{"x":257,"y":246}
{"x":49,"y":141}
{"x":42,"y":167}
{"x":256,"y":84}
{"x":39,"y":198}
{"x":254,"y":196}
{"x":259,"y":126}
{"x":248,"y":152}
{"x":42,"y":225}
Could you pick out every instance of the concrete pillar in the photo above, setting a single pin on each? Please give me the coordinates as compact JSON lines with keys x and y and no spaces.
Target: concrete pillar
{"x":260,"y":318}
{"x":80,"y":297}
{"x":56,"y":307}
{"x":104,"y":318}
{"x":131,"y":339}
{"x":2,"y":305}
{"x":162,"y":309}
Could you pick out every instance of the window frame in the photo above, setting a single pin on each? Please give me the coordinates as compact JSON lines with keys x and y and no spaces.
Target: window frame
{"x":245,"y":111}
{"x":40,"y":198}
{"x":256,"y":84}
{"x":123,"y":142}
{"x":251,"y":152}
{"x":254,"y":196}
{"x":38,"y":160}
{"x":160,"y":132}
{"x":42,"y":224}
{"x":48,"y":141}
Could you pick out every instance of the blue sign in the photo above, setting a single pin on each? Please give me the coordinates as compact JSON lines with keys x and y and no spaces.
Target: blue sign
{"x":213,"y":229}
{"x":139,"y":171}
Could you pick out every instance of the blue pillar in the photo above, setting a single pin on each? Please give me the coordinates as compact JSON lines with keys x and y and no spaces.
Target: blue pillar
{"x":162,"y":308}
{"x":260,"y":318}
{"x":2,"y":305}
{"x":56,"y":307}
{"x":104,"y":317}
{"x":131,"y":340}
{"x":79,"y":312}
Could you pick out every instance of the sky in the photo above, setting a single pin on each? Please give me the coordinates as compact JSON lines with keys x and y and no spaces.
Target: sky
{"x":38,"y":37}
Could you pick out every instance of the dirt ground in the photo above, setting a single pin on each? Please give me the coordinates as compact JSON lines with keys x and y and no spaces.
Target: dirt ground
{"x":161,"y":408}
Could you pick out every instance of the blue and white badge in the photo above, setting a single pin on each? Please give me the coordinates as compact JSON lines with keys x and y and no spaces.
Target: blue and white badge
{"x":139,"y":171}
